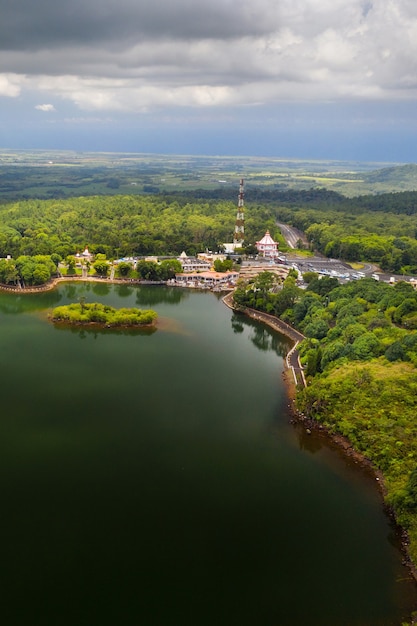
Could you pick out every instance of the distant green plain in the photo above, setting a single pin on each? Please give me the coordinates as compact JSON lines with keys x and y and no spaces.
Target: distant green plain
{"x":57,"y":174}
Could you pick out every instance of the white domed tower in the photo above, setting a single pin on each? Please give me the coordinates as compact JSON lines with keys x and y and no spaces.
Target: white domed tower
{"x":267,"y":247}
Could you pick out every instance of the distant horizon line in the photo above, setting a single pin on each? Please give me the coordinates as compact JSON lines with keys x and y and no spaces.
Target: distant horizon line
{"x":202,"y":155}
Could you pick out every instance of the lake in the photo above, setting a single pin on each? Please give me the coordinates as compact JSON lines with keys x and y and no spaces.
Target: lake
{"x":154,"y":478}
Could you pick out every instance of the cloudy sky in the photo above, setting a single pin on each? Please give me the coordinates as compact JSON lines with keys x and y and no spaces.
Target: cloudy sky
{"x":286,"y":78}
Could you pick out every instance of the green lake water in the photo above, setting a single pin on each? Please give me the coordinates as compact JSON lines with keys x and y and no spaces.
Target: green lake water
{"x":153,"y":478}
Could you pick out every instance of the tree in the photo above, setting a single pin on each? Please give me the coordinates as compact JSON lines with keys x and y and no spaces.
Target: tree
{"x":148,"y":270}
{"x":56,"y":259}
{"x":287,"y":297}
{"x":396,"y":352}
{"x":169,"y":267}
{"x":101,"y":267}
{"x":35,"y":270}
{"x":264,"y":282}
{"x":223,"y":266}
{"x":365,"y":347}
{"x":250,"y":249}
{"x":25,"y":266}
{"x":124,"y":268}
{"x":332,"y":352}
{"x":41,"y":274}
{"x":309,"y":276}
{"x":307,"y":304}
{"x":407,"y":306}
{"x":70,"y":262}
{"x":316,"y":329}
{"x":314,"y":359}
{"x":8,"y":271}
{"x":323,"y":286}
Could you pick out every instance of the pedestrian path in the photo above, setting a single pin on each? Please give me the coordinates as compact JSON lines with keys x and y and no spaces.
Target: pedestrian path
{"x":292,"y":359}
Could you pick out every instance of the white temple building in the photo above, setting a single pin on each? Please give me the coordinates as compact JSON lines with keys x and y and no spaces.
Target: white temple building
{"x":84,"y":256}
{"x":267,"y":247}
{"x":191,"y":264}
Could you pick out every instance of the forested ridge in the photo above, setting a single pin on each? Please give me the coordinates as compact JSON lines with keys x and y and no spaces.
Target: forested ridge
{"x":315,"y":198}
{"x":122,"y":225}
{"x":378,"y":229}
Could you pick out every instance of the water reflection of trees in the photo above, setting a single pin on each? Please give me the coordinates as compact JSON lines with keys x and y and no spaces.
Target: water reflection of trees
{"x":123,"y":291}
{"x":11,"y":303}
{"x":101,"y":289}
{"x":237,"y":325}
{"x":151,"y":295}
{"x":94,"y":331}
{"x":70,"y":291}
{"x":262,"y":337}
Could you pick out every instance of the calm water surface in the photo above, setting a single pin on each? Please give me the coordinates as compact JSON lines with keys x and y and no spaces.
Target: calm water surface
{"x":153,"y":478}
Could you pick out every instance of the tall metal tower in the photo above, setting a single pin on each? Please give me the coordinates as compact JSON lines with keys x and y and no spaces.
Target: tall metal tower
{"x":238,"y":235}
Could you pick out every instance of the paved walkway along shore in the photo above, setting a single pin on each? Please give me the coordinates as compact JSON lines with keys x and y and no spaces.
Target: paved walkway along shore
{"x":292,"y":358}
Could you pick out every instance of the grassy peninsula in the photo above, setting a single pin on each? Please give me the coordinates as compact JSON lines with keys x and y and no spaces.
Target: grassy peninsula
{"x":96,"y":313}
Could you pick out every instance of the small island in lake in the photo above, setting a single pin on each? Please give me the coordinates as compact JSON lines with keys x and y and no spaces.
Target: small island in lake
{"x":102,"y":314}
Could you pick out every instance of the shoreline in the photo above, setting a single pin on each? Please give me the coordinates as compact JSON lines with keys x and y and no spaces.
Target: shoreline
{"x":60,"y":279}
{"x":79,"y":324}
{"x":341,"y":442}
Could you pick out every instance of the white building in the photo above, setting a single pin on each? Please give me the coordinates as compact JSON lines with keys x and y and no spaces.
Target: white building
{"x":206,"y":279}
{"x":191,"y":264}
{"x":230,"y":248}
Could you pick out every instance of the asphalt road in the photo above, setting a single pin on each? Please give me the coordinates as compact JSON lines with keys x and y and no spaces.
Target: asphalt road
{"x":319,"y":263}
{"x":292,"y":235}
{"x":332,"y":267}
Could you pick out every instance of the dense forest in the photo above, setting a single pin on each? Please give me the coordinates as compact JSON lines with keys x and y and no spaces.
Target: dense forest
{"x":379,"y":229}
{"x":120,"y":226}
{"x":360,"y":359}
{"x":375,"y":228}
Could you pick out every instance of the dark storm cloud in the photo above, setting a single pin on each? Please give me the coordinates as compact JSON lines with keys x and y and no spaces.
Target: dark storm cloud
{"x":49,"y":24}
{"x":143,"y":55}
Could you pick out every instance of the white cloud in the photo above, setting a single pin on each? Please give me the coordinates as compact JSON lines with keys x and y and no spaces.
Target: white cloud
{"x":45,"y":107}
{"x":10,"y":85}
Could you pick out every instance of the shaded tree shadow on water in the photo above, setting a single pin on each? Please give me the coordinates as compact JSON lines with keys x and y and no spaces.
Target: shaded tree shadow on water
{"x":237,"y":325}
{"x":150,"y":295}
{"x":73,"y":289}
{"x":101,"y":289}
{"x":262,"y":337}
{"x":94,"y":331}
{"x":12,"y":303}
{"x":70,"y":291}
{"x":123,"y":291}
